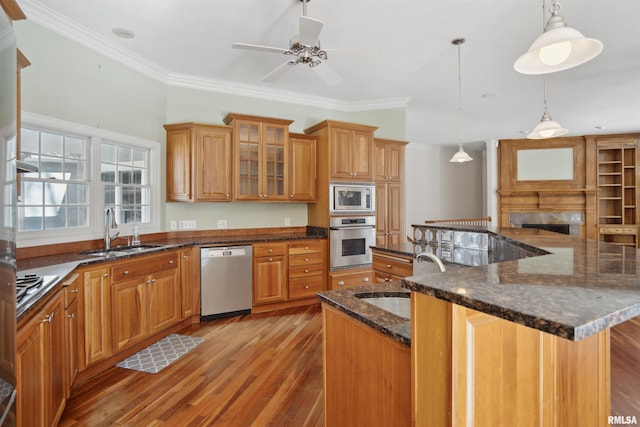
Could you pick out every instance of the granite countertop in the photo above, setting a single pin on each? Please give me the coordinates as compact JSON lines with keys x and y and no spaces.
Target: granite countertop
{"x":349,"y":301}
{"x":63,"y":265}
{"x":579,"y":288}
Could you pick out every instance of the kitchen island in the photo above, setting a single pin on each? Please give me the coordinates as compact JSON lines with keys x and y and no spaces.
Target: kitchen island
{"x":520,"y":341}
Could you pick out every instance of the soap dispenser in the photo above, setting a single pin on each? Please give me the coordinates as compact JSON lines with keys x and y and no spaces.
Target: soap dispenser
{"x":136,"y":236}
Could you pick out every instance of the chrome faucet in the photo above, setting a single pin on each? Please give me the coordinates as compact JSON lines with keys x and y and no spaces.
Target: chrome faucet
{"x":434,"y":258}
{"x":109,"y":222}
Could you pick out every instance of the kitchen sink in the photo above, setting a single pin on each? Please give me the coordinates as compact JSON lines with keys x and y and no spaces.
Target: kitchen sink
{"x":400,"y":306}
{"x":121,"y":250}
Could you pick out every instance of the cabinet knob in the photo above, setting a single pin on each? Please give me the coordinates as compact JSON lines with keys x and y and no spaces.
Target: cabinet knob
{"x":291,"y":196}
{"x":126,"y":272}
{"x":270,"y":259}
{"x":105,"y":275}
{"x":48,"y":318}
{"x":387,"y":279}
{"x":389,"y":266}
{"x":306,"y":259}
{"x":341,"y":283}
{"x":185,"y":256}
{"x":270,"y":250}
{"x":306,"y":271}
{"x":74,"y":291}
{"x":365,"y":279}
{"x":153,"y":280}
{"x":71,"y":316}
{"x":170,"y":261}
{"x":306,"y":286}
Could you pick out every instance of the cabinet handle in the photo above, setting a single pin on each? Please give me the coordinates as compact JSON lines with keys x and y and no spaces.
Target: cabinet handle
{"x":387,"y":279}
{"x":74,"y":291}
{"x":291,"y":196}
{"x":71,"y":316}
{"x":366,"y":279}
{"x":153,"y":280}
{"x":126,"y":272}
{"x":341,"y":283}
{"x":48,"y":318}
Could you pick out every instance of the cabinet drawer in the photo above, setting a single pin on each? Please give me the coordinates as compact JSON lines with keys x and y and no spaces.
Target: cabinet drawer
{"x":384,"y":277}
{"x":394,"y":266}
{"x":145,"y":266}
{"x":305,"y":259}
{"x":618,"y":230}
{"x":305,"y":287}
{"x":270,"y":249}
{"x":70,"y":289}
{"x":305,"y":247}
{"x":342,"y":280}
{"x":305,"y":271}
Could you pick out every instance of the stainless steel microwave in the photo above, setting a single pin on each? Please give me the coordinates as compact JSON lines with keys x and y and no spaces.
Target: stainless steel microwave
{"x":348,"y":198}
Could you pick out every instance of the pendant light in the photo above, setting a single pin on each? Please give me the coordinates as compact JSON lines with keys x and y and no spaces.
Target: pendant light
{"x":547,"y":128}
{"x":460,"y":156}
{"x":558,"y":48}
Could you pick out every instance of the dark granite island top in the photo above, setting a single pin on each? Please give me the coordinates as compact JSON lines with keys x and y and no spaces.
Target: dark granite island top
{"x":579,"y":288}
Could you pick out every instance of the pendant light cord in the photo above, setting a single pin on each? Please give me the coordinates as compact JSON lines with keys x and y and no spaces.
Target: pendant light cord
{"x":458,"y":42}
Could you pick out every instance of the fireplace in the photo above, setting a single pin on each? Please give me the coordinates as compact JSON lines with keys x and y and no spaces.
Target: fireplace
{"x":560,"y":222}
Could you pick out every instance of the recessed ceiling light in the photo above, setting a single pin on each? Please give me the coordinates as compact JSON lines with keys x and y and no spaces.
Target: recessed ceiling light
{"x":123,"y":32}
{"x":524,"y":132}
{"x":600,"y":127}
{"x":489,"y":95}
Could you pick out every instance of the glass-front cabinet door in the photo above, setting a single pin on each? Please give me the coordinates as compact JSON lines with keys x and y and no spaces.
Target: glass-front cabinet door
{"x":260,"y":146}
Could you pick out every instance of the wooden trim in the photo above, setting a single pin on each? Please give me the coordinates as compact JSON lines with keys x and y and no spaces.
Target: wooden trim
{"x":23,"y":62}
{"x":235,"y":116}
{"x":12,"y":9}
{"x":345,"y":125}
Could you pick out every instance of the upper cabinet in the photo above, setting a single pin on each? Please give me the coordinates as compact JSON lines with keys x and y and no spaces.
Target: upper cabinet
{"x":260,"y":157}
{"x":302,"y":168}
{"x":388,"y":160}
{"x":346,"y":150}
{"x":388,"y":174}
{"x":198,"y":162}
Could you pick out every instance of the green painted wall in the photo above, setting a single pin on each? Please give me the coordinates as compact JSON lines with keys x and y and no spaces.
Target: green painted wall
{"x":71,"y":82}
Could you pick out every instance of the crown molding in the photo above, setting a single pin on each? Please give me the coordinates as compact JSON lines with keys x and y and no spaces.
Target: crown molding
{"x":50,"y":19}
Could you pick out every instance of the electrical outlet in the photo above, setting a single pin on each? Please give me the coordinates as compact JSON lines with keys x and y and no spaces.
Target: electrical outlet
{"x":173,"y":224}
{"x":287,"y":221}
{"x":222,"y":223}
{"x":191,"y":224}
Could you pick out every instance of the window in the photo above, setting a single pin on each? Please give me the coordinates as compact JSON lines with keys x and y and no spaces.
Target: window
{"x":82,"y":172}
{"x":57,"y":196}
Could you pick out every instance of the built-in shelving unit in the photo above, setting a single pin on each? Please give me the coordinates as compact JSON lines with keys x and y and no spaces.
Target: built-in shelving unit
{"x":617,"y":162}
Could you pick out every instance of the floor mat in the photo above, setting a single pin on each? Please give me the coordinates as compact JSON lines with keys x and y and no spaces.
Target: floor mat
{"x":161,"y":354}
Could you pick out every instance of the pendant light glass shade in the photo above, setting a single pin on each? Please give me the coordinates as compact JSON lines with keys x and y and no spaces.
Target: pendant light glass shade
{"x":461,"y":156}
{"x":558,"y":48}
{"x":547,"y":128}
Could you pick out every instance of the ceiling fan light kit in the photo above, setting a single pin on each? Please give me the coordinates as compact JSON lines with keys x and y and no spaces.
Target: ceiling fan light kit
{"x":558,"y":48}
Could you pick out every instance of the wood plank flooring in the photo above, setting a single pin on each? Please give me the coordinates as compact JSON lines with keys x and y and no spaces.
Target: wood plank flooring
{"x":256,"y":370}
{"x":264,"y":370}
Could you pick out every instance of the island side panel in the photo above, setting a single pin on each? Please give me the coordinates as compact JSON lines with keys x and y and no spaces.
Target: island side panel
{"x":490,"y":371}
{"x":367,"y":375}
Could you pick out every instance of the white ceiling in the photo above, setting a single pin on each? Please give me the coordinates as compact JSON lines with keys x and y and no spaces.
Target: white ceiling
{"x":403,"y":55}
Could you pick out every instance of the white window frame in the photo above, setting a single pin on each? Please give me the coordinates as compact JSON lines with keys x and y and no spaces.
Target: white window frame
{"x":95,"y":228}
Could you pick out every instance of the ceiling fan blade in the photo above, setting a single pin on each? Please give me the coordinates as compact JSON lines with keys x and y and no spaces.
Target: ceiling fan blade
{"x":310,"y":30}
{"x":328,"y":74}
{"x":279,"y":71}
{"x":259,"y":48}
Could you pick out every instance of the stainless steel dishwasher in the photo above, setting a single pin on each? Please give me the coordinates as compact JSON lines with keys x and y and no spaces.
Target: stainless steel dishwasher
{"x":225,"y":281}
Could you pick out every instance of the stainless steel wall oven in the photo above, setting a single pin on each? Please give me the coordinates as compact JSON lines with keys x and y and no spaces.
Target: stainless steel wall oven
{"x":350,"y":240}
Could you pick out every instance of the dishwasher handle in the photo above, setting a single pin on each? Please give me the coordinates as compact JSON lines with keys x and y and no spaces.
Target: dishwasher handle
{"x":223,"y":252}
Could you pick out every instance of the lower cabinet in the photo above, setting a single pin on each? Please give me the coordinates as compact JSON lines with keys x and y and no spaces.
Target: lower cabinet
{"x":288,"y":273}
{"x":351,"y":277}
{"x":388,"y":267}
{"x":70,"y":290}
{"x":41,"y":366}
{"x":95,"y":312}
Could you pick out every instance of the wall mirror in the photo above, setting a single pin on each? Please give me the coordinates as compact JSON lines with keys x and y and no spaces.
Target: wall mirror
{"x":545,"y":164}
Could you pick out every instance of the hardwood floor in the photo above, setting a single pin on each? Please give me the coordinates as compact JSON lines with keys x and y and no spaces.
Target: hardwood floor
{"x":264,"y":370}
{"x":261,"y":370}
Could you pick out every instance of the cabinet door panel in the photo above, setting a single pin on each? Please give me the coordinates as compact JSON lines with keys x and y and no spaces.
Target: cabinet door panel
{"x":129,"y":313}
{"x":341,"y":153}
{"x":164,"y":300}
{"x":248,"y":162}
{"x":302,"y":169}
{"x":213,"y":180}
{"x":274,"y":164}
{"x":394,"y":209}
{"x":96,"y":315}
{"x":269,"y":281}
{"x":179,"y":163}
{"x":30,"y":404}
{"x":361,"y":154}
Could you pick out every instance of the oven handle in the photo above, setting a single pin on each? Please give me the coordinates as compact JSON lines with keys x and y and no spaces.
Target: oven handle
{"x":355,"y":227}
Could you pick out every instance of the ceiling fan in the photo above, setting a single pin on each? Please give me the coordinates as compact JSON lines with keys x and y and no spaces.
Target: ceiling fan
{"x":304,"y":48}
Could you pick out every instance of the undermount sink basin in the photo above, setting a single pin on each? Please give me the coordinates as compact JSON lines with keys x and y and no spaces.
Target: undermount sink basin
{"x":120,"y":250}
{"x":400,"y":306}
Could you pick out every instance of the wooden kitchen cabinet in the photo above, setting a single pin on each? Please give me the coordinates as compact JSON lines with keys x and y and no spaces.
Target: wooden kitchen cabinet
{"x":344,"y":151}
{"x":307,"y":268}
{"x":41,"y":366}
{"x":269,"y":273}
{"x":388,"y":266}
{"x":70,"y":290}
{"x":199,"y":159}
{"x":260,"y":156}
{"x":145,"y":298}
{"x":302,"y":168}
{"x":350,"y":277}
{"x":95,"y":312}
{"x":388,"y":163}
{"x":190,"y":282}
